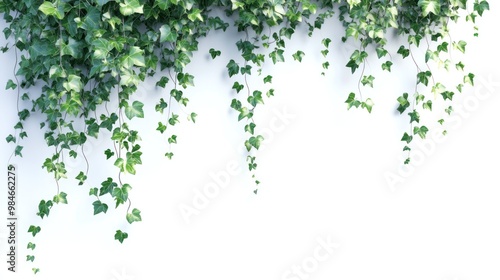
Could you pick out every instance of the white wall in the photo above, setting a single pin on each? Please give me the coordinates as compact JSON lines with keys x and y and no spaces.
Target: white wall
{"x":323,"y":172}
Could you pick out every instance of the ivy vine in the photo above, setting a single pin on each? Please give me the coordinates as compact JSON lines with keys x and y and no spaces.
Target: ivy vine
{"x":89,"y":56}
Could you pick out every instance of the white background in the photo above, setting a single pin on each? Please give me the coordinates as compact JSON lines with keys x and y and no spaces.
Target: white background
{"x":323,"y":171}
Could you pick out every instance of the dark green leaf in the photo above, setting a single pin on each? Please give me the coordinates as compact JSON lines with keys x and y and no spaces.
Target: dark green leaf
{"x":120,"y":236}
{"x":99,"y":207}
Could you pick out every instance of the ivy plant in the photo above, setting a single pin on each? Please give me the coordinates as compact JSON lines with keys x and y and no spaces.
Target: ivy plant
{"x":89,"y":57}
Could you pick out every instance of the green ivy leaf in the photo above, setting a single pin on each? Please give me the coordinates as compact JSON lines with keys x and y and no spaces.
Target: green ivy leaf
{"x":404,"y":52}
{"x":161,"y":127}
{"x":244,"y":113}
{"x":10,"y":85}
{"x":129,"y":7}
{"x":387,"y":66}
{"x":135,"y":57}
{"x":238,"y":87}
{"x":51,"y":9}
{"x":368,"y":104}
{"x":195,"y":15}
{"x":255,"y":98}
{"x":109,"y":153}
{"x":368,"y":80}
{"x":99,"y":207}
{"x":254,"y":141}
{"x":407,"y":138}
{"x":166,"y":34}
{"x":107,"y":187}
{"x":31,"y":246}
{"x":421,"y":131}
{"x":460,"y":45}
{"x":430,"y":6}
{"x":30,"y":258}
{"x":414,"y":116}
{"x":232,"y":68}
{"x":61,"y":198}
{"x":121,"y":194}
{"x":469,"y":79}
{"x":162,"y":82}
{"x":10,"y":138}
{"x":44,"y":208}
{"x":34,"y":230}
{"x":481,"y":6}
{"x":277,"y":56}
{"x":35,"y":270}
{"x":18,"y":150}
{"x":250,"y":128}
{"x":427,"y":105}
{"x":298,"y":56}
{"x":120,"y":236}
{"x":447,"y":95}
{"x":73,"y":83}
{"x":352,"y":101}
{"x":135,"y":110}
{"x":214,"y":53}
{"x":192,"y":117}
{"x":93,"y":191}
{"x":135,"y":216}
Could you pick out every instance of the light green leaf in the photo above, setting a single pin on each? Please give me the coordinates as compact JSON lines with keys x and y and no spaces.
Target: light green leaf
{"x":135,"y":216}
{"x":460,"y":45}
{"x":194,"y":15}
{"x":166,"y":34}
{"x":135,"y":57}
{"x":298,"y":56}
{"x":368,"y":104}
{"x":430,"y":6}
{"x":61,"y":198}
{"x":73,"y":83}
{"x":131,"y":7}
{"x":50,"y":9}
{"x":135,"y":110}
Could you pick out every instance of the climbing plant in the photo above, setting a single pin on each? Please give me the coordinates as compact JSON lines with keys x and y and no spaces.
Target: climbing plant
{"x":89,"y":57}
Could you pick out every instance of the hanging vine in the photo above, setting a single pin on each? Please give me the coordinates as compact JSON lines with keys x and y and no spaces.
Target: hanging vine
{"x":89,"y":56}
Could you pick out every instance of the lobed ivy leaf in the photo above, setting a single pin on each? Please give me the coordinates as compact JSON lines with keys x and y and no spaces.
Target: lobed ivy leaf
{"x":34,"y":230}
{"x":166,"y":34}
{"x":10,"y":85}
{"x":135,"y":110}
{"x":61,"y":198}
{"x":214,"y":53}
{"x":352,"y":101}
{"x":120,"y":236}
{"x":31,"y":246}
{"x":99,"y":207}
{"x":298,"y":56}
{"x":430,"y":6}
{"x":129,"y":7}
{"x":232,"y":68}
{"x":420,"y":131}
{"x":135,"y":216}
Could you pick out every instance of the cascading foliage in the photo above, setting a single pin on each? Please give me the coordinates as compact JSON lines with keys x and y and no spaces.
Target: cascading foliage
{"x":89,"y":56}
